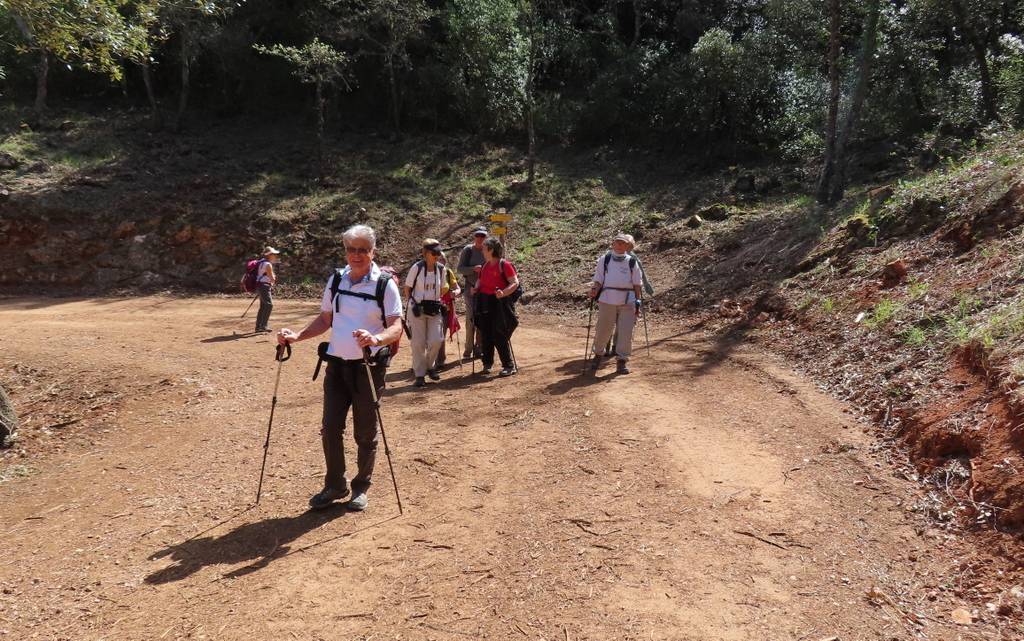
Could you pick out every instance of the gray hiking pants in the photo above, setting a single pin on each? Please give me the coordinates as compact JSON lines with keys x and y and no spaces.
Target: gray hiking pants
{"x":611,"y":318}
{"x":266,"y":305}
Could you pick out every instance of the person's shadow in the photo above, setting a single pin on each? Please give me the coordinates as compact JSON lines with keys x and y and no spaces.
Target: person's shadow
{"x":230,"y":337}
{"x":262,"y":542}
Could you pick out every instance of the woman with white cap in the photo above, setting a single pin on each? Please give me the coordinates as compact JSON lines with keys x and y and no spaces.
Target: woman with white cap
{"x":266,"y":279}
{"x":617,"y":287}
{"x":424,"y":286}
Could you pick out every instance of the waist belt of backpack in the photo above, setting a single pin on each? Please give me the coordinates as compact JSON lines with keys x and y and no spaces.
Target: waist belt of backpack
{"x":321,"y":351}
{"x":619,"y":289}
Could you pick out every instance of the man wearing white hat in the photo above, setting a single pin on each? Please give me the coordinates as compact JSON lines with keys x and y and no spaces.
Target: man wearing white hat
{"x":617,"y":287}
{"x":266,"y":279}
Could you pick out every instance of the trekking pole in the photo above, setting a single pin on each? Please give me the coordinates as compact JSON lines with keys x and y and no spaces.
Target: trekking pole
{"x":250,"y":305}
{"x":586,"y":348}
{"x":280,"y":358}
{"x":647,"y":338}
{"x":458,"y":347}
{"x":380,"y":421}
{"x":515,"y":363}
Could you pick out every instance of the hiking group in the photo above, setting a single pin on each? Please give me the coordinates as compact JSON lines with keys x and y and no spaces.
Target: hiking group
{"x":362,"y":308}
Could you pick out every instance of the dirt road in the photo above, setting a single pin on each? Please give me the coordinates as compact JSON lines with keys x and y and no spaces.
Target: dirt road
{"x":705,"y":496}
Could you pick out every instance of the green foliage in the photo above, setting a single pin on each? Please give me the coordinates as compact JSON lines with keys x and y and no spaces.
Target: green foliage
{"x":98,"y":34}
{"x":917,"y":289}
{"x":914,"y":336}
{"x":882,"y":313}
{"x":722,"y":81}
{"x":1010,"y":79}
{"x":315,"y":63}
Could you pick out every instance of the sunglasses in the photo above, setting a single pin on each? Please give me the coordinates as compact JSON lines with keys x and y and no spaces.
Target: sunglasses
{"x":364,"y":251}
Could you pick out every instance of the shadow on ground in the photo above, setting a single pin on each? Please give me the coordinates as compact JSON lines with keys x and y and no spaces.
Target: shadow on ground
{"x":260,"y":542}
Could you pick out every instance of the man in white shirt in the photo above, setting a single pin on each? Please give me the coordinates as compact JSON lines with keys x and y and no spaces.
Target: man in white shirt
{"x":617,"y":287}
{"x":356,"y":322}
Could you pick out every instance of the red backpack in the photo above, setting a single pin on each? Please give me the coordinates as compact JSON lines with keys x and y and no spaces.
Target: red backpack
{"x":250,"y":282}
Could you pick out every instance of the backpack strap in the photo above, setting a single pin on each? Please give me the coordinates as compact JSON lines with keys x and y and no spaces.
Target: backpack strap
{"x":382,"y":288}
{"x":418,"y":265}
{"x":501,"y":268}
{"x":335,"y":286}
{"x":337,"y":292}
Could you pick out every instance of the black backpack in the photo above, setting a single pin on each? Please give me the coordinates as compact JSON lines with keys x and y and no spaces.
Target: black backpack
{"x":516,"y":295}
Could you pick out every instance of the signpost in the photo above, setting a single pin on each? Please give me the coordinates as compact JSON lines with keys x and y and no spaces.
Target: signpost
{"x":500,"y":220}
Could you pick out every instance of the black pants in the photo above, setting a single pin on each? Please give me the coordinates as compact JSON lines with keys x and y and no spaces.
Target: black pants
{"x":491,"y":338}
{"x":346,"y":386}
{"x":266,"y":305}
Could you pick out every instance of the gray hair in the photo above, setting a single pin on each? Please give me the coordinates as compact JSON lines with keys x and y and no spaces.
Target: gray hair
{"x":360,"y":231}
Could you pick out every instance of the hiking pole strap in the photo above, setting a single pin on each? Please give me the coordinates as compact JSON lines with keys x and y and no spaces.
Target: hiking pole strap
{"x":284,"y":352}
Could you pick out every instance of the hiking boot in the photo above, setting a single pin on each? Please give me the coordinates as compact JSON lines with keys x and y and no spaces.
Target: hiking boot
{"x":326,"y":496}
{"x":595,"y":362}
{"x":434,"y":376}
{"x":419,"y":382}
{"x":467,"y":354}
{"x":507,"y":371}
{"x":486,"y":369}
{"x":358,"y":501}
{"x":620,"y":367}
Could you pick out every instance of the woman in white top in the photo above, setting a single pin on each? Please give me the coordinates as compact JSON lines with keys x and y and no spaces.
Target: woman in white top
{"x":266,"y":279}
{"x":424,"y":287}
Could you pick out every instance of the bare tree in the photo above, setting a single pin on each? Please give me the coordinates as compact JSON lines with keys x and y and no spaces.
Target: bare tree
{"x":828,"y":168}
{"x":869,"y":42}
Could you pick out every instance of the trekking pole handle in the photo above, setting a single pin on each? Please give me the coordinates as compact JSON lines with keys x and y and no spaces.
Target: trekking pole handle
{"x":282,"y":350}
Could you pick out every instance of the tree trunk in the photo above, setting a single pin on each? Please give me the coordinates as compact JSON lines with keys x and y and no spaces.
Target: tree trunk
{"x":147,"y":79}
{"x":828,"y":166}
{"x":989,"y":101}
{"x":869,"y":43}
{"x":393,"y":85}
{"x":531,"y":135}
{"x":638,"y":7}
{"x":42,"y":67}
{"x":978,"y":46}
{"x":42,"y":79}
{"x":321,"y":165}
{"x":186,"y":64}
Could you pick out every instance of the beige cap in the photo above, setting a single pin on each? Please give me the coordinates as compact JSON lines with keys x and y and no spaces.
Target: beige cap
{"x":268,"y":250}
{"x":626,"y":238}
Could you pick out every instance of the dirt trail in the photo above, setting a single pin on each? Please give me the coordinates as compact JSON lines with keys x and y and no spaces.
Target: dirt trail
{"x":698,"y":498}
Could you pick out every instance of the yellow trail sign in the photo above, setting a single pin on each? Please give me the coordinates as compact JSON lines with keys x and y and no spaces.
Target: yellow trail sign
{"x":498,"y":231}
{"x":501,"y":218}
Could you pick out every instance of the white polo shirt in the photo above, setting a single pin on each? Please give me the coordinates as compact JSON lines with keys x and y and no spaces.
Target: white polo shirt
{"x":617,"y":280}
{"x":351,"y":313}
